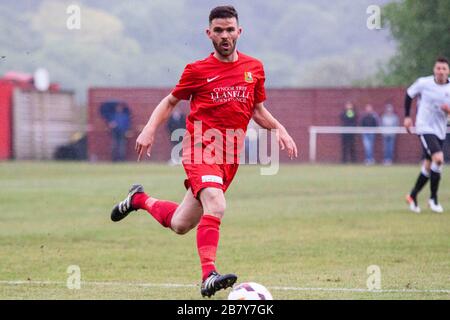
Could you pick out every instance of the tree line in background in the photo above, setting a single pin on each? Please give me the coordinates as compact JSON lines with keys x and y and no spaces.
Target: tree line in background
{"x":137,"y":43}
{"x":422,"y":31}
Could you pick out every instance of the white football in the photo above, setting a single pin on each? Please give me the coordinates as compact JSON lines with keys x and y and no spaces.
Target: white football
{"x":249,"y":291}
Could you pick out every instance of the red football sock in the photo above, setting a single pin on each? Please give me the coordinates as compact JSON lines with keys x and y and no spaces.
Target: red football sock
{"x":207,"y":242}
{"x":161,"y":210}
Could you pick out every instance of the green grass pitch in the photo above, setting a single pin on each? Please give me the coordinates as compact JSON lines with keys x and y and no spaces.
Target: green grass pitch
{"x":309,"y":232}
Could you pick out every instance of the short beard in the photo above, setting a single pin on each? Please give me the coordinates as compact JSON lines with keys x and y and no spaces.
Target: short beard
{"x":443,"y":80}
{"x":222,"y":52}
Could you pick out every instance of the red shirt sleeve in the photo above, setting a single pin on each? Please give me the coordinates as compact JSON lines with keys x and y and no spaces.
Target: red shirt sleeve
{"x":187,"y":85}
{"x":260,"y":91}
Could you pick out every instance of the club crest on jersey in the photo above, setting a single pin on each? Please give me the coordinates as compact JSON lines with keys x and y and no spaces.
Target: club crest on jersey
{"x":248,"y":77}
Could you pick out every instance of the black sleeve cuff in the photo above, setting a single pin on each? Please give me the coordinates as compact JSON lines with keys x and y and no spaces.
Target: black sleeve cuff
{"x":408,"y":102}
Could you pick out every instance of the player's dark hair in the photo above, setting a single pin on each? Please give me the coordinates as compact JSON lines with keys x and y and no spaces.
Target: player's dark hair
{"x":223,"y":12}
{"x":442,"y":60}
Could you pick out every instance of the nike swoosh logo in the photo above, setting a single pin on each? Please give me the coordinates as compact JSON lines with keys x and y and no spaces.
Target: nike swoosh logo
{"x":211,"y":79}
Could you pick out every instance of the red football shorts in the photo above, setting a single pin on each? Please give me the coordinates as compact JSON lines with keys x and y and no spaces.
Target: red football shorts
{"x":200,"y":176}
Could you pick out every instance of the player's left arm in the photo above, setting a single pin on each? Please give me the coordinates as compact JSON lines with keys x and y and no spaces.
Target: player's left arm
{"x":265,"y":119}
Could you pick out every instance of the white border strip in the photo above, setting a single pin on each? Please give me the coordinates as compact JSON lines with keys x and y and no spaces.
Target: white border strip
{"x":177,"y":285}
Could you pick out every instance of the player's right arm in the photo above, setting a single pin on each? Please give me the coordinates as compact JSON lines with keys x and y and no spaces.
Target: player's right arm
{"x":185,"y":88}
{"x":161,"y":113}
{"x":407,"y":122}
{"x":411,"y":93}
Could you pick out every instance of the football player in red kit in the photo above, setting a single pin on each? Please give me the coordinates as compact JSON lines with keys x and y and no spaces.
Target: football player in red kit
{"x":225,"y":91}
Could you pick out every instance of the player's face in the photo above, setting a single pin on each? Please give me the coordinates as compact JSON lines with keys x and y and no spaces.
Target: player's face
{"x":224,"y":34}
{"x":441,"y":72}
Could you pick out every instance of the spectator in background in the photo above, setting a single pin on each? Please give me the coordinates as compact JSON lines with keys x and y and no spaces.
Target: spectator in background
{"x":348,"y":119}
{"x":389,"y":120}
{"x":119,"y":125}
{"x":370,"y":119}
{"x":176,"y":121}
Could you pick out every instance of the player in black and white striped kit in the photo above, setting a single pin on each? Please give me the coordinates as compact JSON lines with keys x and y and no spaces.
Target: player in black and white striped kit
{"x":433,"y":108}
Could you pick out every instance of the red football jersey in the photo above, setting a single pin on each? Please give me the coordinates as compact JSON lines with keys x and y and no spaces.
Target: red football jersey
{"x":222,"y":94}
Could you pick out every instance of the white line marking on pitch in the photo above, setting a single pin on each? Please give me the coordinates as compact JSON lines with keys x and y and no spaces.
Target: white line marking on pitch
{"x":363,"y":290}
{"x":177,"y":285}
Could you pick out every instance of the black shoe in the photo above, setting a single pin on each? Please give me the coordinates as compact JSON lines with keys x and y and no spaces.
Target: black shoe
{"x":122,"y":209}
{"x":216,"y":282}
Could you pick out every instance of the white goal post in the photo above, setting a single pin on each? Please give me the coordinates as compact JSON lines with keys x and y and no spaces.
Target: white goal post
{"x":315,"y":130}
